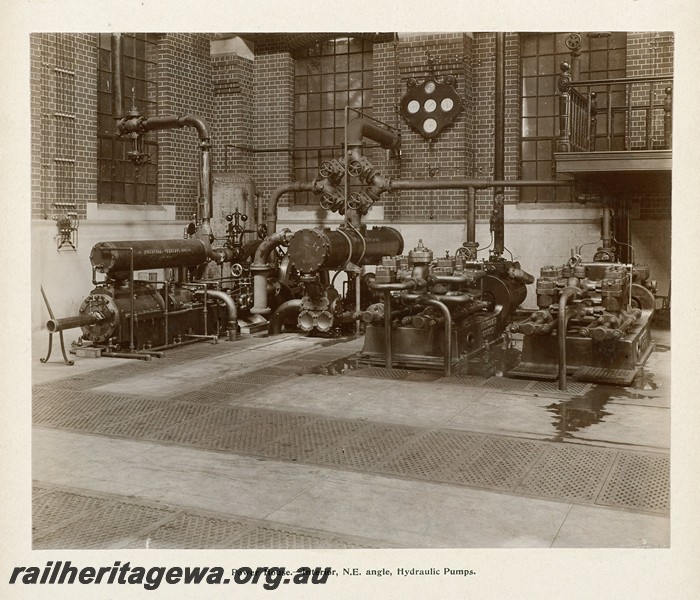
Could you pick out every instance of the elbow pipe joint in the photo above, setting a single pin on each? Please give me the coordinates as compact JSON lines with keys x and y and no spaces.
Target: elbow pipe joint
{"x":262,"y":254}
{"x":360,"y":128}
{"x":232,"y":327}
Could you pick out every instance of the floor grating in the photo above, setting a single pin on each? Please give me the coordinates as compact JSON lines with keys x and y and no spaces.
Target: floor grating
{"x":209,"y":419}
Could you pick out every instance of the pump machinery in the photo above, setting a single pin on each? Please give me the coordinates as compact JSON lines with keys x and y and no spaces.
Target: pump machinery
{"x":416,"y":309}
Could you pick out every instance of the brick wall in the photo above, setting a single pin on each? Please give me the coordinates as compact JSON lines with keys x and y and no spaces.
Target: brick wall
{"x":649,"y":53}
{"x":448,"y":155}
{"x":233,"y":87}
{"x":184,"y":87}
{"x":273,"y":120}
{"x":484,"y":61}
{"x":63,"y":73}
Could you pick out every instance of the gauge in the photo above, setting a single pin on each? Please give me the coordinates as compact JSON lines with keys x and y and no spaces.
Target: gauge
{"x":429,"y":125}
{"x":413,"y":106}
{"x":447,"y":104}
{"x":430,"y":105}
{"x":429,"y":87}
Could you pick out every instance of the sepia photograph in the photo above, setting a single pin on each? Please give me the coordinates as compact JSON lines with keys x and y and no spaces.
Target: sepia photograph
{"x":381,"y":304}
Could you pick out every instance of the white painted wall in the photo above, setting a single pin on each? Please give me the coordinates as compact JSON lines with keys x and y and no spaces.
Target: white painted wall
{"x":536,"y":235}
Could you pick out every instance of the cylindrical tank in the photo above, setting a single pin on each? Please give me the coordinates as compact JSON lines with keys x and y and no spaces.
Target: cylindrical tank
{"x":314,"y":249}
{"x":114,"y":258}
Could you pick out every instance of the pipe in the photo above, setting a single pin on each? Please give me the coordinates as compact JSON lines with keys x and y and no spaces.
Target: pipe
{"x":295,"y":186}
{"x":461,"y":183}
{"x":388,"y":358}
{"x":261,"y":268}
{"x":458,"y":279}
{"x":117,"y":94}
{"x":56,"y":325}
{"x":471,"y":215}
{"x":232,"y":327}
{"x":360,"y":128}
{"x":431,"y":300}
{"x":499,"y":141}
{"x":562,"y":320}
{"x":280,"y":315}
{"x":408,"y":284}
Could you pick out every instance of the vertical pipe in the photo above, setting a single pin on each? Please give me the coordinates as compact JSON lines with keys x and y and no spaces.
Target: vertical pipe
{"x":387,"y":329}
{"x":166,"y":311}
{"x":206,"y":188}
{"x":607,"y":231}
{"x":131,"y":294}
{"x":358,"y":300}
{"x":471,"y":215}
{"x":650,"y":116}
{"x":628,"y":123}
{"x":117,"y":93}
{"x":608,"y":91}
{"x":668,"y":108}
{"x":499,"y":140}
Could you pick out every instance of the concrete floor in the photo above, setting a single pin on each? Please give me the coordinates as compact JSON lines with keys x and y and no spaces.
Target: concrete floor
{"x":245,"y":444}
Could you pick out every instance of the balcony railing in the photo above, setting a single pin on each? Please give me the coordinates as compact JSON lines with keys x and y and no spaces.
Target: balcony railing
{"x":633,"y":113}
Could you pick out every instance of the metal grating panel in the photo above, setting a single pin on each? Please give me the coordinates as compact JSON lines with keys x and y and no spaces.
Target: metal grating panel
{"x":202,"y":431}
{"x":191,"y":531}
{"x":504,"y":383}
{"x":53,"y":508}
{"x":110,"y":527}
{"x":611,"y":376}
{"x":232,"y":387}
{"x":424,"y":375}
{"x":81,"y":404}
{"x":268,"y":537}
{"x":380,"y":372}
{"x":263,"y":428}
{"x":261,"y":378}
{"x":569,"y":472}
{"x":499,"y":463}
{"x":369,"y":447}
{"x":318,"y":436}
{"x":432,"y":454}
{"x":535,"y":371}
{"x":146,"y":425}
{"x":204,"y":396}
{"x":473,"y":380}
{"x":638,"y":481}
{"x":577,"y":388}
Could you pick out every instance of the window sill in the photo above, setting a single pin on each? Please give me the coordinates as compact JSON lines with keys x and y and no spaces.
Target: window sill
{"x":129,"y":212}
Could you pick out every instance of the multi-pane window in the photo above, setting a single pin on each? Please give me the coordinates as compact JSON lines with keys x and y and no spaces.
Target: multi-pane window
{"x":119,"y":180}
{"x":327,"y":78}
{"x":602,"y":57}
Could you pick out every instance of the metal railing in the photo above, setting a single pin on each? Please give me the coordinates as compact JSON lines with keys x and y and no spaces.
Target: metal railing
{"x":614,"y":114}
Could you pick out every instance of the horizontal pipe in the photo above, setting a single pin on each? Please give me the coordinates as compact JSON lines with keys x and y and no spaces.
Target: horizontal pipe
{"x":398,"y":286}
{"x":56,"y":325}
{"x":462,"y":183}
{"x":466,"y":278}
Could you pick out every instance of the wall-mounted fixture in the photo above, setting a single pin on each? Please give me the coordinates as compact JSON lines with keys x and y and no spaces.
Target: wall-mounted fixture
{"x":431,"y":105}
{"x":67,"y":224}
